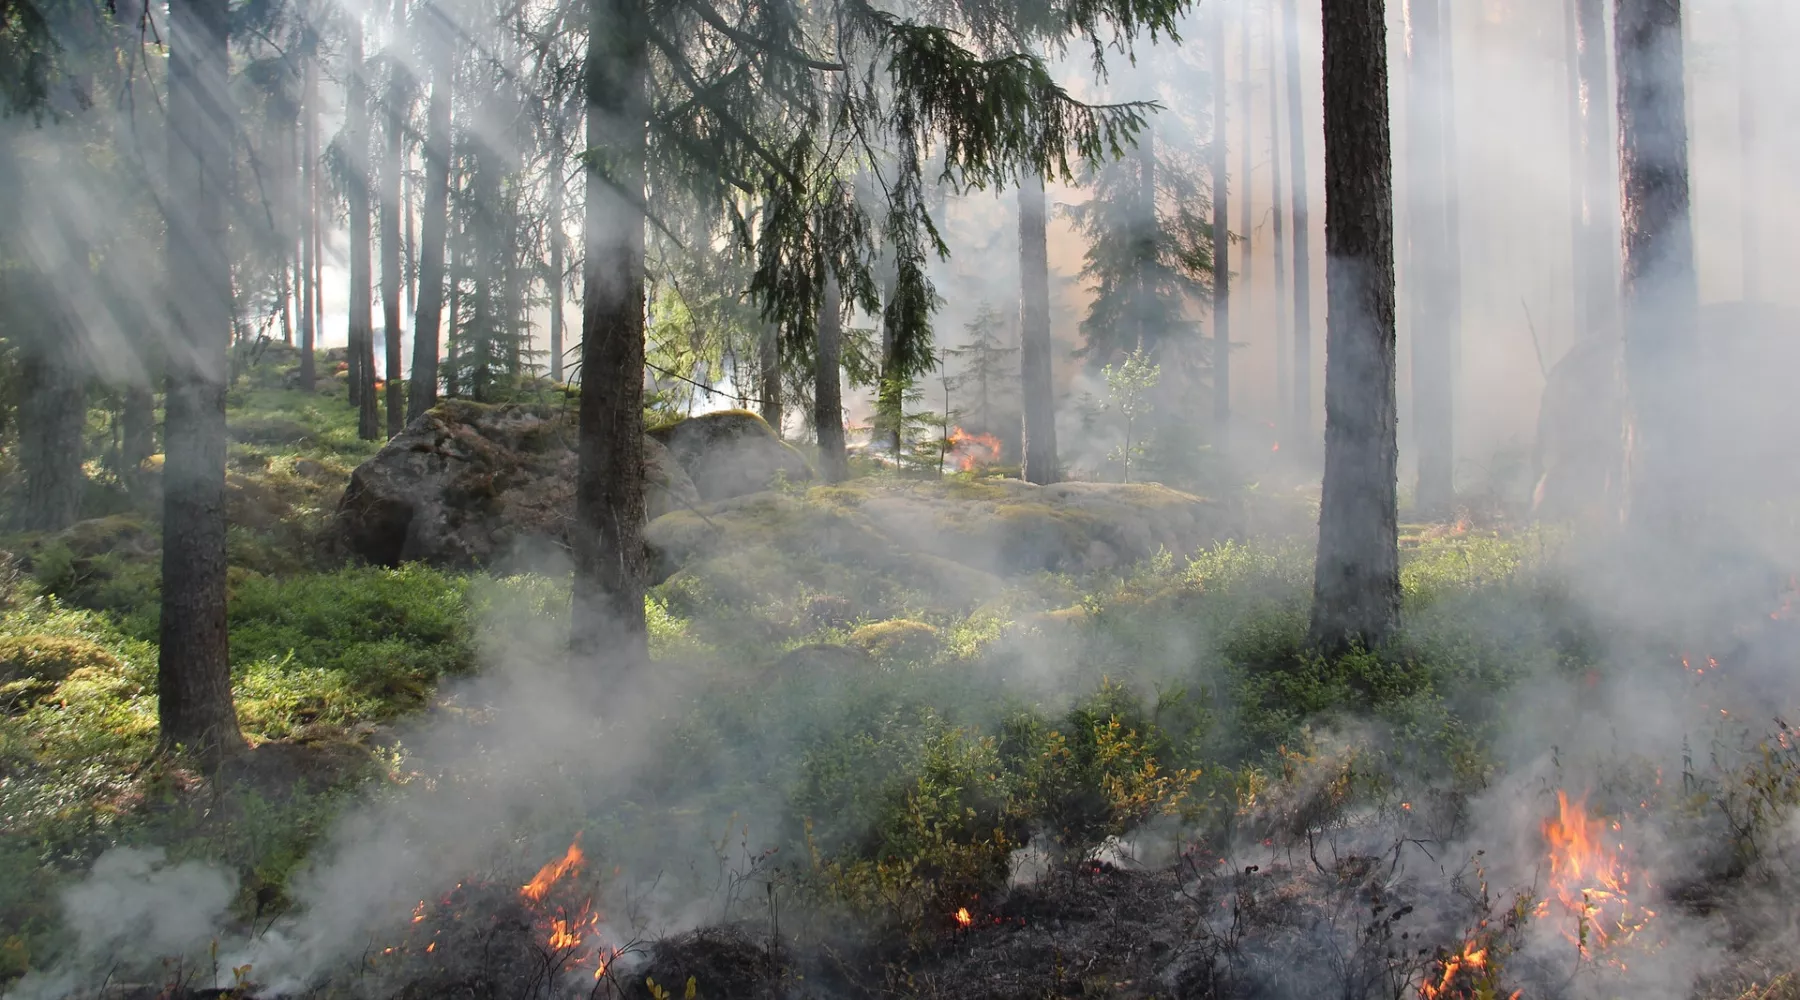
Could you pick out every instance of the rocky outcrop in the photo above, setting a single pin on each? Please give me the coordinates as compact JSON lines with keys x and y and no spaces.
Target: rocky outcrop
{"x":469,"y":484}
{"x":732,"y":453}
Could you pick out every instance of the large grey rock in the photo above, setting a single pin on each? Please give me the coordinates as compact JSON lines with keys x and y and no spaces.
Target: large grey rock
{"x":732,"y":453}
{"x":468,"y":484}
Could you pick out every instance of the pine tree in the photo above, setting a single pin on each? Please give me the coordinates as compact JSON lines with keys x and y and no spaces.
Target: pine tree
{"x":1356,"y":587}
{"x":1660,"y":289}
{"x":1433,"y":333}
{"x":194,"y":704}
{"x":988,"y":366}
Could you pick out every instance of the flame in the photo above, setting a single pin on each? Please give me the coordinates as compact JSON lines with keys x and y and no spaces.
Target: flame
{"x":1588,"y":878}
{"x":419,"y":912}
{"x":1471,"y":957}
{"x":1786,"y":610}
{"x":972,"y":451}
{"x":962,"y":916}
{"x":547,"y":876}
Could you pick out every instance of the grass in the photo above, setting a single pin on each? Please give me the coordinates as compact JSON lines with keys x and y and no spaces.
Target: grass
{"x":1061,"y":710}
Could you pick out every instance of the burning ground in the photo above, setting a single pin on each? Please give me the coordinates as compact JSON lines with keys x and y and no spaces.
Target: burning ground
{"x":887,"y":753}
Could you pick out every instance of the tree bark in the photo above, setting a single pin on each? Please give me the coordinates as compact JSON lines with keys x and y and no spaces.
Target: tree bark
{"x":1356,"y":589}
{"x":391,"y":277}
{"x":1302,"y":360}
{"x":1433,"y":371}
{"x":1283,"y":307}
{"x":434,"y":232}
{"x":1751,"y":193}
{"x":1038,"y":462}
{"x":558,"y":256}
{"x":890,"y":397}
{"x":610,"y":561}
{"x":309,"y":239}
{"x":52,"y":417}
{"x":1247,"y":186}
{"x":1660,"y":291}
{"x":361,"y":336}
{"x":828,"y":399}
{"x":768,"y":363}
{"x":139,"y":420}
{"x":1221,"y":233}
{"x":194,"y":703}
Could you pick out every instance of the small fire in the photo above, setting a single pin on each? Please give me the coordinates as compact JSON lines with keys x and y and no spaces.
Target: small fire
{"x":1786,"y":610}
{"x":972,"y":451}
{"x":550,"y":874}
{"x":963,"y":918}
{"x":1472,"y":958}
{"x":1588,"y":878}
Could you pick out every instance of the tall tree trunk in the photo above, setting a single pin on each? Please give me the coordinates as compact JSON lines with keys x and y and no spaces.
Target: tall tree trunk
{"x":391,"y":278}
{"x":1598,"y":234}
{"x":409,"y":232}
{"x":1247,"y":186}
{"x":436,"y":224}
{"x":828,"y":400}
{"x":1302,"y":360}
{"x":1433,"y":372}
{"x":558,"y":237}
{"x":768,"y":364}
{"x":139,"y":420}
{"x":1356,"y":589}
{"x":361,"y":337}
{"x":1038,"y":391}
{"x":1277,"y":197}
{"x":1221,"y":233}
{"x":610,"y":562}
{"x":1660,"y":292}
{"x":52,"y":417}
{"x":890,"y":398}
{"x":1751,"y":197}
{"x":194,"y":703}
{"x":1146,"y":290}
{"x":309,"y":233}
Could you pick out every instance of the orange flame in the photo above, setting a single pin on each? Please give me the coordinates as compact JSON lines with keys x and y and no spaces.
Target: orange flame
{"x":1471,"y":957}
{"x":962,"y":916}
{"x":550,"y":874}
{"x":1589,"y":879}
{"x":1787,"y":600}
{"x":972,"y":451}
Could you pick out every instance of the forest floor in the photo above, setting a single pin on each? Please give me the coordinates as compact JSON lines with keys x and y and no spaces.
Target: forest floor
{"x":1131,"y":783}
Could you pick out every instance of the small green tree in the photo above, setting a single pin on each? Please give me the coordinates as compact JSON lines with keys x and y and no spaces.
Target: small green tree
{"x":989,"y":368}
{"x":1128,"y":390}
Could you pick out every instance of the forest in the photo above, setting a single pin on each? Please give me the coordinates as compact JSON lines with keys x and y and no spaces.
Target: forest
{"x":1021,"y":499}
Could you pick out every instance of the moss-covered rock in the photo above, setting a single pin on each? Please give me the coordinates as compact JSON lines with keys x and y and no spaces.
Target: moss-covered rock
{"x":731,"y":453}
{"x":470,"y":484}
{"x":898,"y":639}
{"x":33,"y":666}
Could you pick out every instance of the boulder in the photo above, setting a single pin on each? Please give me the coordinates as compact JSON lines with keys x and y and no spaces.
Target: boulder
{"x":732,"y":453}
{"x":468,"y":484}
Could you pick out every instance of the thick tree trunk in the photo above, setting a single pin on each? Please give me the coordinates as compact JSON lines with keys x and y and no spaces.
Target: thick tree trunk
{"x":610,"y":561}
{"x":1221,"y":233}
{"x":434,"y":233}
{"x":52,"y":416}
{"x":1277,"y":197}
{"x":768,"y":364}
{"x":1433,"y":371}
{"x":361,"y":336}
{"x":391,"y":278}
{"x":1038,"y":445}
{"x":309,"y":241}
{"x":194,"y":669}
{"x":1660,"y":293}
{"x":1302,"y":360}
{"x":1356,"y":590}
{"x":1146,"y":291}
{"x":828,"y":399}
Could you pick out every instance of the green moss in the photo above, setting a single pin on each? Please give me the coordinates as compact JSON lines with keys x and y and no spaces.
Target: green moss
{"x":898,"y":639}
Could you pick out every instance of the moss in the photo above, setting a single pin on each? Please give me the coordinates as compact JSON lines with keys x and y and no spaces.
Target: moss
{"x":897,"y":639}
{"x":50,"y":657}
